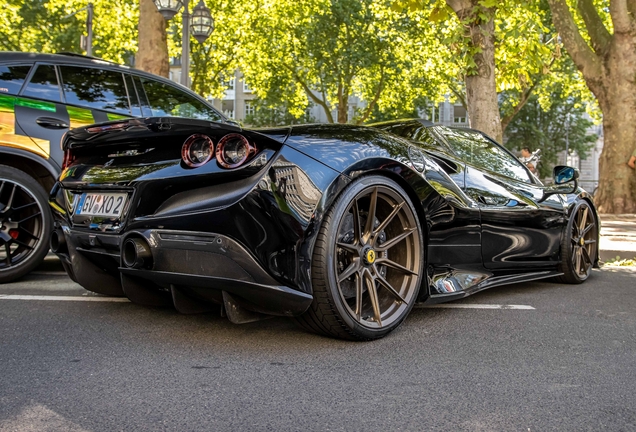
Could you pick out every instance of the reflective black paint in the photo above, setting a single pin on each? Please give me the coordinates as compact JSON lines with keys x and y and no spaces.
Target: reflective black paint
{"x":480,"y":229}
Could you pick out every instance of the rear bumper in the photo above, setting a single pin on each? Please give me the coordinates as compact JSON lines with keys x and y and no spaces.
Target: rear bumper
{"x":187,"y":268}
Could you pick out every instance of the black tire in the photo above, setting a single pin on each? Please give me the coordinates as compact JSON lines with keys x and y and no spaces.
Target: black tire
{"x":25,"y":224}
{"x":579,"y":246}
{"x":366,"y":278}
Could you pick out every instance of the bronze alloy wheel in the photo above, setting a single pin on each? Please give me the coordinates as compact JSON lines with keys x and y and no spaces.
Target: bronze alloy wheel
{"x":24,"y":224}
{"x":368,"y":262}
{"x":377,"y":257}
{"x":579,"y":249}
{"x":583,"y":239}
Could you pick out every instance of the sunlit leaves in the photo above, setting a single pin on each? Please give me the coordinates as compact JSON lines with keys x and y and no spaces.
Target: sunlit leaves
{"x":45,"y":26}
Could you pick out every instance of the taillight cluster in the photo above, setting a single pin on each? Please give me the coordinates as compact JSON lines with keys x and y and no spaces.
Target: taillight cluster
{"x":232,"y":151}
{"x":197,"y":150}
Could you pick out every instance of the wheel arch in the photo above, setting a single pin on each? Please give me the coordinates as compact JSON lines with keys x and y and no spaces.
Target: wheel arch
{"x":44,"y":172}
{"x":412,"y":182}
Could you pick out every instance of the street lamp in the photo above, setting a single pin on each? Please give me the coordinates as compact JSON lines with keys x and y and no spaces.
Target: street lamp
{"x":86,"y":42}
{"x":201,"y":22}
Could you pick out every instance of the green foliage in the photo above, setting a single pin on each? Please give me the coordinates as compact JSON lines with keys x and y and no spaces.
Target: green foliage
{"x":44,"y":26}
{"x":323,"y":51}
{"x":618,"y":262}
{"x":528,"y":56}
{"x":537,"y":128}
{"x":392,"y":54}
{"x":217,"y":57}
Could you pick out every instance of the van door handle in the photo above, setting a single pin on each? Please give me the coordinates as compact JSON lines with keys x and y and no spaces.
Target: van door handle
{"x":51,"y":123}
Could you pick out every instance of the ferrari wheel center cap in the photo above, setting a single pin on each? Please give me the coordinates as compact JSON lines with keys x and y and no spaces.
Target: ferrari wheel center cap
{"x":368,"y":256}
{"x":582,"y":242}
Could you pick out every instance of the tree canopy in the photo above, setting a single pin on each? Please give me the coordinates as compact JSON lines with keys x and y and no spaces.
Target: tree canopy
{"x":325,"y":51}
{"x":45,"y":26}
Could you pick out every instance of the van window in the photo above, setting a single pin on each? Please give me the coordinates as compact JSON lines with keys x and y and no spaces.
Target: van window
{"x":12,"y":78}
{"x":95,"y":88}
{"x":43,"y":84}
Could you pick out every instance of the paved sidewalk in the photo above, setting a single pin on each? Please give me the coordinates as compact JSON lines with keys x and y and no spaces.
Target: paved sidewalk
{"x":618,"y":236}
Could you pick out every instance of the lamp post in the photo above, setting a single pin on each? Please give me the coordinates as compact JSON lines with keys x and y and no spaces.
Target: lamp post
{"x":567,"y":138}
{"x":200,"y":23}
{"x":86,"y":42}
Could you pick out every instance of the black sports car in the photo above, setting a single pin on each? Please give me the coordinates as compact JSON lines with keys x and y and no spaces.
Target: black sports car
{"x":344,"y":228}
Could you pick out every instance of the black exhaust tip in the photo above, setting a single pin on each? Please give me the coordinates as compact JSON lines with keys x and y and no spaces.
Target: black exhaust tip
{"x":136,"y":253}
{"x":58,"y":242}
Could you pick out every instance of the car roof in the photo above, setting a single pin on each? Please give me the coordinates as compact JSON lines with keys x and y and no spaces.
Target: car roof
{"x":77,"y":59}
{"x":82,"y":60}
{"x":14,"y":56}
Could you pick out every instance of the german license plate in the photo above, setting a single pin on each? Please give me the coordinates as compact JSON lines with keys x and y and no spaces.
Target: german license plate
{"x":101,"y":204}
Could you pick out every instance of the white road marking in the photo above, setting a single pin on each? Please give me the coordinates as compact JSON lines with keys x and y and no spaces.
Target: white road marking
{"x":474,"y":306}
{"x":48,"y":273}
{"x":64,"y":298}
{"x":125,"y":300}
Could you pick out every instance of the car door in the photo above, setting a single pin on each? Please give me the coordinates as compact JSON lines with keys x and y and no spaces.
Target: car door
{"x":12,"y":79}
{"x":40,"y":112}
{"x":520,"y":228}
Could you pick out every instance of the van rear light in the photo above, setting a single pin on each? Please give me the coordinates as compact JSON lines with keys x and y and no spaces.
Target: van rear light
{"x":233,"y":150}
{"x":197,"y":150}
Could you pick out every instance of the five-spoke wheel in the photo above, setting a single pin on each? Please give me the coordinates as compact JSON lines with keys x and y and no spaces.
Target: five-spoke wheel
{"x":25,"y":223}
{"x":368,"y":262}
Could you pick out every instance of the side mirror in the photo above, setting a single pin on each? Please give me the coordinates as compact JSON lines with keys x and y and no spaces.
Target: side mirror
{"x":562,"y":175}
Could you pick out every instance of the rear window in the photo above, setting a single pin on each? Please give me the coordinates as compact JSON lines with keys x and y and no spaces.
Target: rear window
{"x":43,"y":84}
{"x":165,"y":100}
{"x":12,"y":78}
{"x":95,"y":88}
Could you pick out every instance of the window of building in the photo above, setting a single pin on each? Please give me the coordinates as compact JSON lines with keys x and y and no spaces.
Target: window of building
{"x":246,"y":88}
{"x":229,"y":84}
{"x":250,"y":109}
{"x":459,"y":114}
{"x":12,"y":78}
{"x":95,"y":88}
{"x":43,"y":84}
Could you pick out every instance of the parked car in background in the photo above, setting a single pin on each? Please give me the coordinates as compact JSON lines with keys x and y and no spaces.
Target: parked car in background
{"x":42,"y":96}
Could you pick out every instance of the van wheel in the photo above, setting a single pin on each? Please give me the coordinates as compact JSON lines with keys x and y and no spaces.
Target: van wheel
{"x":25,"y":224}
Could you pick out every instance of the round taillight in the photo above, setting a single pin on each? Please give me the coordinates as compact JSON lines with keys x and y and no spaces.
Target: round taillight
{"x":233,"y":150}
{"x":197,"y":150}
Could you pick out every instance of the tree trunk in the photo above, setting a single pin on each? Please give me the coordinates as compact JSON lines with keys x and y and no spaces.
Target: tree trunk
{"x":152,"y":53}
{"x":608,"y":67}
{"x":617,"y":98}
{"x":343,"y":104}
{"x":481,"y":88}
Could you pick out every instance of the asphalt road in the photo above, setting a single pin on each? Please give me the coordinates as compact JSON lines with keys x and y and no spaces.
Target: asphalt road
{"x":567,"y":364}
